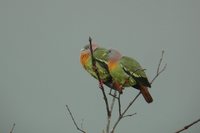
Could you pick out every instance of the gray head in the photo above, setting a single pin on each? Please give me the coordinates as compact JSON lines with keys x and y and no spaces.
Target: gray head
{"x":87,"y":47}
{"x":114,"y":54}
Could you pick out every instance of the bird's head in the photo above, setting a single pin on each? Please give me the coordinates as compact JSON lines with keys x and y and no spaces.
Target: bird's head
{"x":85,"y":53}
{"x":114,"y":55}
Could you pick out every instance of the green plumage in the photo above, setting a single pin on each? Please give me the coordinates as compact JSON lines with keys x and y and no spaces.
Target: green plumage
{"x":133,"y":68}
{"x":100,"y":55}
{"x":116,"y":71}
{"x":126,"y":71}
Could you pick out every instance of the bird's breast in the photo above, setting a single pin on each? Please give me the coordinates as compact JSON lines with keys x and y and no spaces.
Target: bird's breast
{"x":112,"y":65}
{"x":84,"y":58}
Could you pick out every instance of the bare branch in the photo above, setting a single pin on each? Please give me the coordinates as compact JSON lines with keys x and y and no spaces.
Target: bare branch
{"x":158,"y":72}
{"x":188,"y":126}
{"x":74,"y":120}
{"x":113,"y":101}
{"x":111,"y":109}
{"x":122,"y":115}
{"x":82,"y":120}
{"x":99,"y":79}
{"x":119,"y":104}
{"x":160,"y":61}
{"x":129,"y":115}
{"x":12,"y":129}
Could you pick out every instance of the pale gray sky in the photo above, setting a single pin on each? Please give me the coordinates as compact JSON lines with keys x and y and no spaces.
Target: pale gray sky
{"x":40,"y":73}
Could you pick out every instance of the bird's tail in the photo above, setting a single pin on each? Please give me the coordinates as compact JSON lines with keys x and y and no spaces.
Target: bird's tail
{"x":145,"y":93}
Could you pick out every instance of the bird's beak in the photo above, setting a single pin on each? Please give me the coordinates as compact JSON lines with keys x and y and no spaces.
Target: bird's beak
{"x":82,"y":49}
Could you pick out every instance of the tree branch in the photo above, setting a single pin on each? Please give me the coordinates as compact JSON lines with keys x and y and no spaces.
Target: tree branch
{"x":111,"y":109}
{"x":99,"y":79}
{"x":12,"y":129}
{"x":188,"y":126}
{"x":158,"y":72}
{"x":77,"y":127}
{"x":129,"y":115}
{"x":119,"y":105}
{"x":122,"y":115}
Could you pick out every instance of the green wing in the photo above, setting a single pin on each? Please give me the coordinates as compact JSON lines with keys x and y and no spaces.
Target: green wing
{"x":100,"y":56}
{"x":133,"y":68}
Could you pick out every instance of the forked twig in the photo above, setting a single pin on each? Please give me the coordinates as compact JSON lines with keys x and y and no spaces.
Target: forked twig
{"x":77,"y":127}
{"x":158,"y":72}
{"x":188,"y":126}
{"x":12,"y":129}
{"x":129,"y":115}
{"x":122,"y":115}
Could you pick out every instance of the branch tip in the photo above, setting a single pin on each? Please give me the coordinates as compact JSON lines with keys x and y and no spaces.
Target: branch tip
{"x":12,"y":129}
{"x":77,"y":127}
{"x":90,"y":39}
{"x":188,"y":126}
{"x":159,"y":71}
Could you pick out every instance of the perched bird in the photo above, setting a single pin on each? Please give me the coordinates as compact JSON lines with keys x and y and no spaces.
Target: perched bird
{"x":127,"y":72}
{"x":100,"y":56}
{"x":116,"y":71}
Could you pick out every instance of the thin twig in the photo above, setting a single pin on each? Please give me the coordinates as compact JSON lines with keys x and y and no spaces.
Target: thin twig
{"x":111,"y":109}
{"x":113,"y":102}
{"x":160,"y":61}
{"x":129,"y":115}
{"x":74,"y":120}
{"x":119,"y":104}
{"x":188,"y":126}
{"x":99,"y":79}
{"x":12,"y":129}
{"x":82,"y":120}
{"x":158,"y":72}
{"x":122,"y":115}
{"x":130,"y":104}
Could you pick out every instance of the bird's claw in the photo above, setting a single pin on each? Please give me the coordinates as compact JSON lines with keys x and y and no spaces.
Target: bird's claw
{"x":113,"y":95}
{"x":101,"y":84}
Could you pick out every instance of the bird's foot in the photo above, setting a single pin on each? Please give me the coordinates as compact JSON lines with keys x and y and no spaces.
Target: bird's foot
{"x":101,"y":84}
{"x":118,"y":87}
{"x":113,"y":95}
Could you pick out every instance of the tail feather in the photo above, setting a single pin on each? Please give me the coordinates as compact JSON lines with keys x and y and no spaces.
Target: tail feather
{"x":145,"y":93}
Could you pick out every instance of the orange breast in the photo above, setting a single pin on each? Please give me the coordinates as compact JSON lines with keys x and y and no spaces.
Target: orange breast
{"x":84,"y":58}
{"x":112,"y":65}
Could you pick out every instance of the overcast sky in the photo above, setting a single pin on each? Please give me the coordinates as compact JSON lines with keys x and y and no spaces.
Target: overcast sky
{"x":40,"y":72}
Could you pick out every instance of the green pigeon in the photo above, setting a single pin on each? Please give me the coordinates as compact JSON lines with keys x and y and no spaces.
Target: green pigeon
{"x":127,"y":72}
{"x":100,"y":56}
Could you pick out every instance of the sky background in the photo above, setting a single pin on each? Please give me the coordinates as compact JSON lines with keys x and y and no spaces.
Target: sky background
{"x":40,"y":72}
